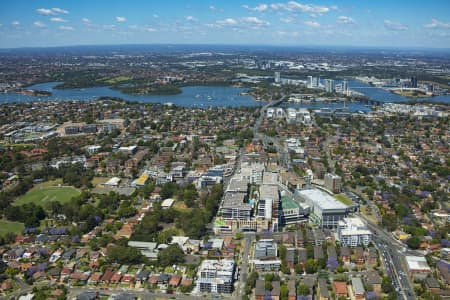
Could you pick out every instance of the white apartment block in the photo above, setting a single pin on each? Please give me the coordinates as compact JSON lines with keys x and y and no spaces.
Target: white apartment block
{"x":353,"y":232}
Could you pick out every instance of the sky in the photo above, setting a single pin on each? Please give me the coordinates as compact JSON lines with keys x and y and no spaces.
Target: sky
{"x":380,"y":23}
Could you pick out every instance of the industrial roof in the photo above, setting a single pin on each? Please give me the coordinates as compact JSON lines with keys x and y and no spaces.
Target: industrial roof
{"x":417,"y":263}
{"x":320,"y":198}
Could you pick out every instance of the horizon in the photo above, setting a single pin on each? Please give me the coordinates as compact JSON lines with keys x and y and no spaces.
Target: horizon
{"x":242,"y":46}
{"x":349,"y":23}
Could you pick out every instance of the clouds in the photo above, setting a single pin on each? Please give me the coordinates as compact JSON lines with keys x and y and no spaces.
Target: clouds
{"x":121,"y":19}
{"x":394,"y":25}
{"x":51,"y":11}
{"x":39,"y":24}
{"x":293,"y":6}
{"x":142,"y":28}
{"x":436,"y":24}
{"x":60,"y":10}
{"x":67,"y":28}
{"x":244,"y":22}
{"x":260,"y":8}
{"x":58,"y":20}
{"x":190,"y":19}
{"x":313,"y":24}
{"x":15,"y":23}
{"x":345,"y":20}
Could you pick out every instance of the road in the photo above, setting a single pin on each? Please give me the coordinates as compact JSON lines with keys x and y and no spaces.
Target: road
{"x":143,"y":294}
{"x":391,"y":251}
{"x":243,"y":267}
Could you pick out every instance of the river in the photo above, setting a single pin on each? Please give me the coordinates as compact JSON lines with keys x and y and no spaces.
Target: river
{"x":206,"y":96}
{"x":199,"y":96}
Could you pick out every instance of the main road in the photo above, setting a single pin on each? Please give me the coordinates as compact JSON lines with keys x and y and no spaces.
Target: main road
{"x":391,"y":251}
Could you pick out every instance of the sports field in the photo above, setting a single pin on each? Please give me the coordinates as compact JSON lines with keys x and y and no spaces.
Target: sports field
{"x":9,"y":226}
{"x":41,"y":194}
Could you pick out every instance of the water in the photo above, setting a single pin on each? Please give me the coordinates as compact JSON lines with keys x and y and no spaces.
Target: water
{"x":373,"y":93}
{"x":379,"y":94}
{"x":206,"y":96}
{"x":200,"y":96}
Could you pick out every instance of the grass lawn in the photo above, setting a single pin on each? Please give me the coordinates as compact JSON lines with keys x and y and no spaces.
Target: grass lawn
{"x":180,"y":206}
{"x":43,"y":193}
{"x":10,"y":226}
{"x":99,"y":180}
{"x":344,"y":199}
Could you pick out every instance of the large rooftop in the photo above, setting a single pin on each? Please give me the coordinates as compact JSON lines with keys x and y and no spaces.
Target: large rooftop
{"x":235,"y":200}
{"x":238,"y":185}
{"x":417,"y":263}
{"x":322,"y":199}
{"x":268,"y":192}
{"x":270,"y":178}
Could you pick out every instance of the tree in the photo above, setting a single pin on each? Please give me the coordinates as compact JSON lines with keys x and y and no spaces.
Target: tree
{"x":386,"y":285}
{"x":284,"y":292}
{"x":168,"y":190}
{"x":413,"y":242}
{"x":299,"y":269}
{"x":302,"y":289}
{"x":282,"y":252}
{"x":251,"y":279}
{"x":171,"y":255}
{"x":124,"y":255}
{"x":310,"y":266}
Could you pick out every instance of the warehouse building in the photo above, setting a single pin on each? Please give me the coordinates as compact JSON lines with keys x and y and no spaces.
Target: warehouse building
{"x":325,"y":210}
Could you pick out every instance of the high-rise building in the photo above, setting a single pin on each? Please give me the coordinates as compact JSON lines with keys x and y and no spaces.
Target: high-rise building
{"x":329,"y":85}
{"x":344,"y":87}
{"x":333,"y":182}
{"x":277,"y":77}
{"x":309,"y":83}
{"x":316,"y":82}
{"x":414,"y":82}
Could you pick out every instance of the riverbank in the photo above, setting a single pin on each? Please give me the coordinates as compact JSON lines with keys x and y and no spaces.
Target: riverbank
{"x":409,"y":94}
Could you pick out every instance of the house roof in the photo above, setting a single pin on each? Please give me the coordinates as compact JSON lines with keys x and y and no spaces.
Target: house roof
{"x":340,"y":287}
{"x":175,"y":280}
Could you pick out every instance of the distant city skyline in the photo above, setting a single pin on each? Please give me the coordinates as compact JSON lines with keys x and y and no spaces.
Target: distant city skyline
{"x":291,"y":23}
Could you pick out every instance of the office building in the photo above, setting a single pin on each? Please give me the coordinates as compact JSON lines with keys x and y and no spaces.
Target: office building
{"x":216,"y":276}
{"x":414,"y":82}
{"x":234,"y":207}
{"x":329,"y":85}
{"x":266,"y":248}
{"x":267,"y":196}
{"x":71,"y":130}
{"x":344,"y":87}
{"x":353,"y":232}
{"x":267,"y":265}
{"x":333,"y":182}
{"x":291,"y":211}
{"x":252,"y":172}
{"x":325,"y":210}
{"x":277,"y":77}
{"x":309,"y":82}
